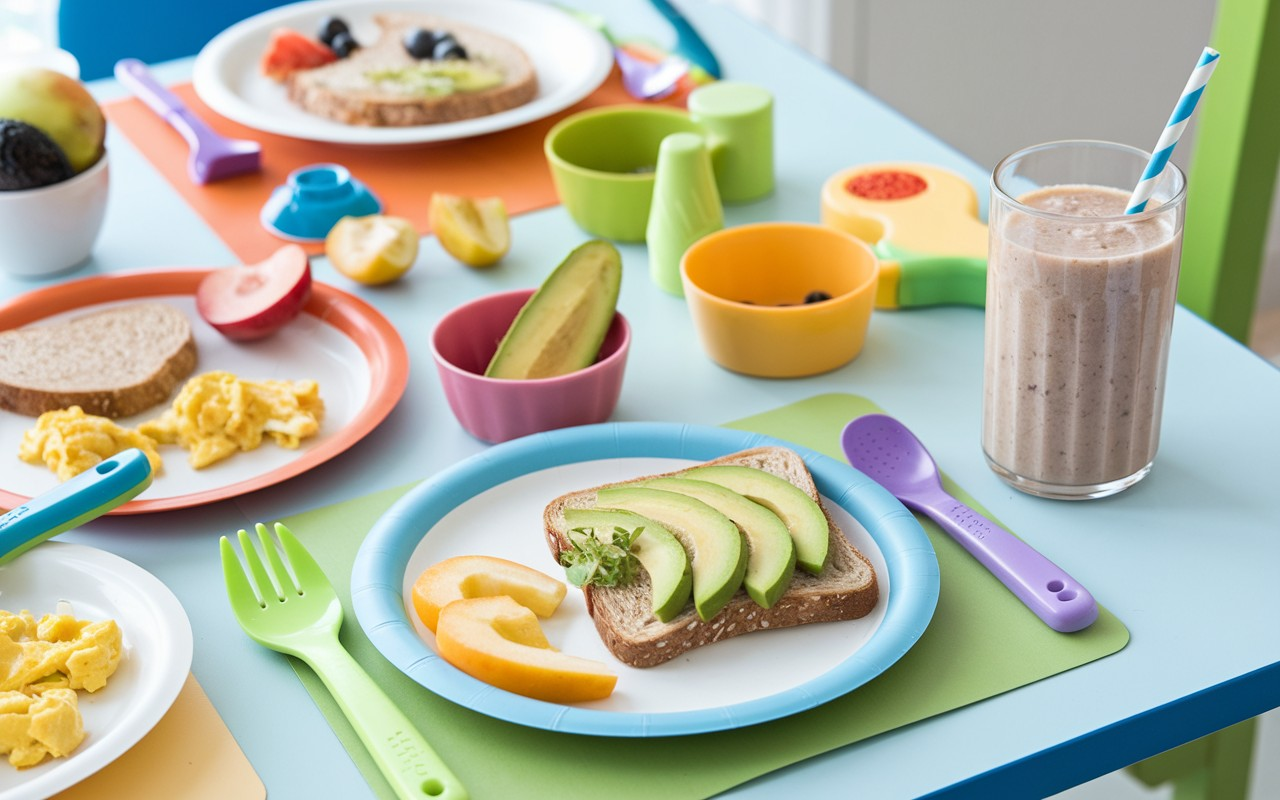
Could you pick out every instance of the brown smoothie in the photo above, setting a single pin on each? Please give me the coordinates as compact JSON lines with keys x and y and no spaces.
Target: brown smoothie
{"x":1078,"y":323}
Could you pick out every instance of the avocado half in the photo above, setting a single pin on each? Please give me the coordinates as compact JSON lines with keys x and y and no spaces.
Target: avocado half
{"x":561,"y":327}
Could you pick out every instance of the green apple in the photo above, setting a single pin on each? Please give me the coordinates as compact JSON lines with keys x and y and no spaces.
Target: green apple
{"x":59,"y":106}
{"x":797,"y":510}
{"x":717,"y":552}
{"x":656,"y":548}
{"x":771,"y":554}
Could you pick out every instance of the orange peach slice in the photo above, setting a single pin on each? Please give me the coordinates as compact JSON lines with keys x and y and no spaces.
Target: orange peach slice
{"x":483,"y":576}
{"x":499,"y":641}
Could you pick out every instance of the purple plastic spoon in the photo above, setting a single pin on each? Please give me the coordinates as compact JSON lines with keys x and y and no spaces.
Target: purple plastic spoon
{"x":213,"y":156}
{"x":888,"y":453}
{"x":645,"y":80}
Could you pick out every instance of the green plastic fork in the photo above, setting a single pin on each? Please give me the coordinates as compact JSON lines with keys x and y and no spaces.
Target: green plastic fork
{"x":300,"y":616}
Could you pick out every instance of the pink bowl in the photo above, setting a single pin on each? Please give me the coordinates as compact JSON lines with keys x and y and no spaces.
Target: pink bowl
{"x":496,"y":409}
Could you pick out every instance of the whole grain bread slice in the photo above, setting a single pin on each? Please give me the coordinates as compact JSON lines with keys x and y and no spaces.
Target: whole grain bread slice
{"x":113,"y":363}
{"x":845,"y":589}
{"x":346,"y":92}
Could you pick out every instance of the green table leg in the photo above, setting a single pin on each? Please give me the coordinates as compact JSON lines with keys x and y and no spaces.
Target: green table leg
{"x":1215,"y":767}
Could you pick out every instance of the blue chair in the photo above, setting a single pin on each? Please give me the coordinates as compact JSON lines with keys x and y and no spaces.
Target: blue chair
{"x":100,"y":33}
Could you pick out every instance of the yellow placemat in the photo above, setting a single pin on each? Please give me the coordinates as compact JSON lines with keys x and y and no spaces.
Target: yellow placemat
{"x":189,"y":755}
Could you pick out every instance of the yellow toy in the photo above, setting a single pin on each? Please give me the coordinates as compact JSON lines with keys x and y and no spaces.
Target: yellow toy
{"x":922,"y":221}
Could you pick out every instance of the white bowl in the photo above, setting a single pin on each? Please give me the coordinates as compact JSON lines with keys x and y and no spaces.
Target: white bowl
{"x":50,"y":229}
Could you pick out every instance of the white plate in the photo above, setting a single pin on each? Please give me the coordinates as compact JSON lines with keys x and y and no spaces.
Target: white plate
{"x":153,"y":667}
{"x":570,"y":59}
{"x":708,"y":677}
{"x":492,"y":504}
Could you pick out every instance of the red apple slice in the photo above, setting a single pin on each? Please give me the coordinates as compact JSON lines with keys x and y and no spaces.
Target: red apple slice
{"x":256,"y":300}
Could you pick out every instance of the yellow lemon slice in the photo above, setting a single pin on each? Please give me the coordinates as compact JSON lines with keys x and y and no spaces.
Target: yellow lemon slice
{"x":472,"y":230}
{"x":372,"y":250}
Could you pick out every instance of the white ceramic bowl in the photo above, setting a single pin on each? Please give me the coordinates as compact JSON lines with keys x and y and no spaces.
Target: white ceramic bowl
{"x":51,"y":229}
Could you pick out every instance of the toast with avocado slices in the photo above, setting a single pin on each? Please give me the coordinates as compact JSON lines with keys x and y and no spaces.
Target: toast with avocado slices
{"x":381,"y":84}
{"x":823,"y":576}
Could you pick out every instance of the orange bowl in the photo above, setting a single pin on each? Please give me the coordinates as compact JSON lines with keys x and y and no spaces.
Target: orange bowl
{"x":746,"y":288}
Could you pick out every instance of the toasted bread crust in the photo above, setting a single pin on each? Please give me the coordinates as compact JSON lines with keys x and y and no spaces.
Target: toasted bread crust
{"x":338,"y":92}
{"x":75,"y":363}
{"x":847,"y":588}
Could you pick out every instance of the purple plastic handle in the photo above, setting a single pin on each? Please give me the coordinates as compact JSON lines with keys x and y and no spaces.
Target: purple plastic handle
{"x":212,"y":155}
{"x":890,"y":454}
{"x":135,"y":75}
{"x":1044,"y":587}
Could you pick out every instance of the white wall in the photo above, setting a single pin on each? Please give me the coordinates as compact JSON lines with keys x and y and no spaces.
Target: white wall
{"x":991,"y":76}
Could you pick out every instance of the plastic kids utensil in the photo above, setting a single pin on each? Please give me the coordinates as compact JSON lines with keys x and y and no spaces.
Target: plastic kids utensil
{"x":88,"y":495}
{"x":213,"y":156}
{"x":891,"y":455}
{"x":688,"y":42}
{"x":649,"y":80}
{"x":294,"y":609}
{"x":643,"y":79}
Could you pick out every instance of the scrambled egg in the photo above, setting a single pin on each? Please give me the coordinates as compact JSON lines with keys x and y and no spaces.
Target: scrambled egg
{"x":217,"y":414}
{"x":70,"y":441}
{"x":42,"y":664}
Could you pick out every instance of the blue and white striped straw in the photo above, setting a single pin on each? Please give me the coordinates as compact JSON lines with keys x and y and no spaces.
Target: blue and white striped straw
{"x":1173,"y":130}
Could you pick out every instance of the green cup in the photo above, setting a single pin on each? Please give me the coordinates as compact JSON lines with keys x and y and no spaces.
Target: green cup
{"x":603,"y":160}
{"x":737,"y":119}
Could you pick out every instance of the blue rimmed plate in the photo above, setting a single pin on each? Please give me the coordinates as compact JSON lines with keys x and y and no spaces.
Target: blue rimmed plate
{"x":492,"y":504}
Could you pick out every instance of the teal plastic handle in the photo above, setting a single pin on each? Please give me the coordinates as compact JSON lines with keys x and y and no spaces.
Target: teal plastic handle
{"x":688,"y":42}
{"x":88,"y":495}
{"x":403,"y":756}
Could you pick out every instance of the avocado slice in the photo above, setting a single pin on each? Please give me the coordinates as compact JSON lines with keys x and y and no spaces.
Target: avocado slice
{"x":439,"y":78}
{"x":657,"y":549}
{"x":771,"y":554}
{"x":717,"y":553}
{"x":561,"y":327}
{"x":797,"y":510}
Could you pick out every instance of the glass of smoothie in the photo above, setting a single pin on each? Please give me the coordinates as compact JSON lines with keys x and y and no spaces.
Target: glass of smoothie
{"x":1079,"y":313}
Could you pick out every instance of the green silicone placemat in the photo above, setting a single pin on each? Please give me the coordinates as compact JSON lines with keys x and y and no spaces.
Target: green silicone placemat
{"x":981,"y":642}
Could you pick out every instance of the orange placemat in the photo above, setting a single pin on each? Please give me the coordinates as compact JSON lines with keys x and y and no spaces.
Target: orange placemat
{"x":188,"y":755}
{"x":507,"y":164}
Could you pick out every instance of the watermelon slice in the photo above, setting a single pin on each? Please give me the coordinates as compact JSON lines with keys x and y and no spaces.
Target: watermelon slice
{"x":289,"y":51}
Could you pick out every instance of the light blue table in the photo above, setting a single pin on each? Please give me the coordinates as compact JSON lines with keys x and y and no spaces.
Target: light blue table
{"x":1187,"y":559}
